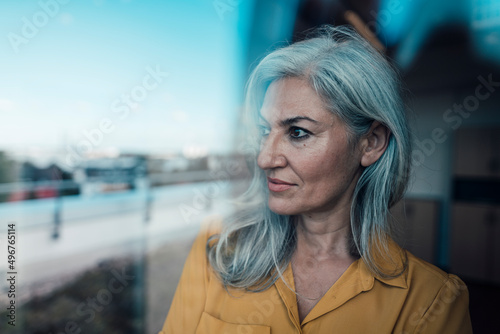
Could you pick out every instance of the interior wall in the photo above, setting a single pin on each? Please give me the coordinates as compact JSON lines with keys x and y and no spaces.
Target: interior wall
{"x":434,"y":123}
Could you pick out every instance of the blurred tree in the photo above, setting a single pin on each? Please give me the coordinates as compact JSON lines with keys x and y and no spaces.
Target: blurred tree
{"x":7,"y":173}
{"x":6,"y":168}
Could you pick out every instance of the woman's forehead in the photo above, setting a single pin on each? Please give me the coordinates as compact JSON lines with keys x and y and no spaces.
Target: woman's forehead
{"x":290,"y":98}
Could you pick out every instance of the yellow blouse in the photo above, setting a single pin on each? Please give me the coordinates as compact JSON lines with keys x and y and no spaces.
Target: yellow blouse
{"x":422,"y":300}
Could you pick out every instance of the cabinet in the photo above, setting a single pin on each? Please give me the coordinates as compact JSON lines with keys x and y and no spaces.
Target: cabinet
{"x":477,"y":153}
{"x":475,"y":211}
{"x":475,"y":246}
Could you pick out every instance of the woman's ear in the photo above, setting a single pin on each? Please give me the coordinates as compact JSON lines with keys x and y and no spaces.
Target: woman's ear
{"x":374,"y":143}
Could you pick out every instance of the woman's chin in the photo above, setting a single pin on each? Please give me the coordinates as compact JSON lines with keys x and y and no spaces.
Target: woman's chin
{"x":284,"y":209}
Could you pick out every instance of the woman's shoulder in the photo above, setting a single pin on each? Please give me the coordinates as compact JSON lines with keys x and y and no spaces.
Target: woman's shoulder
{"x":210,"y":226}
{"x":424,"y":276}
{"x":437,"y":301}
{"x":421,"y":268}
{"x":418,"y":275}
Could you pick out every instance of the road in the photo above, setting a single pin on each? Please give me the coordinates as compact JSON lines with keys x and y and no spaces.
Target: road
{"x":93,"y":229}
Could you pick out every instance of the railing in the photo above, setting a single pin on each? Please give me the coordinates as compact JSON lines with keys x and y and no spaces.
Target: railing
{"x":142,"y":190}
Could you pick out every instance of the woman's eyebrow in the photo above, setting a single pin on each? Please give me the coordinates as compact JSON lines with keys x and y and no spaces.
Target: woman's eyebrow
{"x":296,"y":119}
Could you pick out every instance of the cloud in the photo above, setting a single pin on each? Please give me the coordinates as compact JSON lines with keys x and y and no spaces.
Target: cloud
{"x":179,"y":116}
{"x":7,"y":105}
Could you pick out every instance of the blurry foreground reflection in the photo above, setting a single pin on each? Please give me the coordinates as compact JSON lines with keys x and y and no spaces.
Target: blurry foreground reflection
{"x":100,"y":248}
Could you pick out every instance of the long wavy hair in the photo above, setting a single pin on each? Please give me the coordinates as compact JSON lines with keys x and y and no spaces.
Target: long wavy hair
{"x":358,"y":85}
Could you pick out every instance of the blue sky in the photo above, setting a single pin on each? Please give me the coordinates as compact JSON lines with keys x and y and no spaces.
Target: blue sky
{"x":63,"y":80}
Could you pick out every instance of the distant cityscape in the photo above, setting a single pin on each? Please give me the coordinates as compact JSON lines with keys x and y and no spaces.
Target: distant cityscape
{"x":25,"y":178}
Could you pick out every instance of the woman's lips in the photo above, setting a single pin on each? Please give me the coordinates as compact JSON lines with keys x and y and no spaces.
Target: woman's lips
{"x":278,"y":185}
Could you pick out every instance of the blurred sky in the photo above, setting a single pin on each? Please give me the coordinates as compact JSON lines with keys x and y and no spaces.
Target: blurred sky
{"x":65,"y":78}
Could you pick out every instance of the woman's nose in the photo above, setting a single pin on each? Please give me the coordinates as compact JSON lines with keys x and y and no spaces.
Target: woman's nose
{"x":271,"y":153}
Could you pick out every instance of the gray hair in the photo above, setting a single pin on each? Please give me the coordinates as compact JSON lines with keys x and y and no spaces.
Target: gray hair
{"x":359,"y":86}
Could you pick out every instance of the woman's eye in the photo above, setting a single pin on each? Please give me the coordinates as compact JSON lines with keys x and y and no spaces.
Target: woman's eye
{"x":298,"y":133}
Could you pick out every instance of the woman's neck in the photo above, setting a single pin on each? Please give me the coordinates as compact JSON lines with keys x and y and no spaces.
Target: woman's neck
{"x":324,"y":238}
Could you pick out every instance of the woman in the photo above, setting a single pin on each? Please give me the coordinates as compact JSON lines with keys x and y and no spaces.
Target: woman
{"x":311,"y":251}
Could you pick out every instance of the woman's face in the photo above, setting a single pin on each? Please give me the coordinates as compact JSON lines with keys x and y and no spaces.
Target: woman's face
{"x":310,"y":166}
